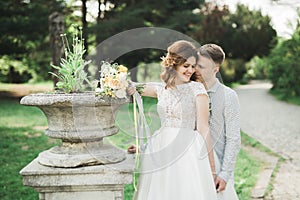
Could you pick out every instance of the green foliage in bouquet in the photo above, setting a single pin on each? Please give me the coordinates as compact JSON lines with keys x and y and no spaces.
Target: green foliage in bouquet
{"x":71,"y":74}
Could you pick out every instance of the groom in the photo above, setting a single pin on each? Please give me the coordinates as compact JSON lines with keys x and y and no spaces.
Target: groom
{"x":224,"y":117}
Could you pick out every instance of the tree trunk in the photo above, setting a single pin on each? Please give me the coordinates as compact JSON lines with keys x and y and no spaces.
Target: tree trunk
{"x":146,"y":73}
{"x":98,"y":39}
{"x":133,"y":74}
{"x":84,"y":25}
{"x":56,"y":27}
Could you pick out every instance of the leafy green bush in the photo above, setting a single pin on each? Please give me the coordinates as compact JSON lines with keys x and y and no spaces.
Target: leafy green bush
{"x":257,"y":68}
{"x":284,"y":67}
{"x":233,"y":70}
{"x":15,"y":71}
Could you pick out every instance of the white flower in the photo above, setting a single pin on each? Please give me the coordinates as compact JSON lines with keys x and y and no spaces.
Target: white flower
{"x":105,"y":65}
{"x":113,"y":71}
{"x":105,"y":69}
{"x":98,"y":90}
{"x":121,"y":93}
{"x":123,"y":84}
{"x":122,"y":76}
{"x":113,"y":80}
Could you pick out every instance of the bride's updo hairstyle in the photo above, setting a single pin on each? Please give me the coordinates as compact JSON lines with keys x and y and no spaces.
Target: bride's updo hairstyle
{"x":177,"y":55}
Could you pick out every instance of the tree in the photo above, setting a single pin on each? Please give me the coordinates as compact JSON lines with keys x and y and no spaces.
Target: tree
{"x":24,"y":36}
{"x":212,"y":24}
{"x":250,"y":32}
{"x":128,"y":14}
{"x":84,"y":24}
{"x":242,"y":34}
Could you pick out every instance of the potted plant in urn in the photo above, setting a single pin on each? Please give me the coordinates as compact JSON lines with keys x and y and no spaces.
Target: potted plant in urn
{"x":81,"y":118}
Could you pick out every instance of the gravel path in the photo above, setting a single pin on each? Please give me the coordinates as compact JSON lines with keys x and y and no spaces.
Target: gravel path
{"x":276,"y":125}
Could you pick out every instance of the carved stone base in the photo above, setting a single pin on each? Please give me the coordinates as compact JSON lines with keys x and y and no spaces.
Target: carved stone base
{"x":81,"y":154}
{"x":99,"y":182}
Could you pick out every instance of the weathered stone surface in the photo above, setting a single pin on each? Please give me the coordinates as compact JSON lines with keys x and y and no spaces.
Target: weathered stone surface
{"x":81,"y":154}
{"x":80,"y":116}
{"x":80,"y":120}
{"x":81,"y":183}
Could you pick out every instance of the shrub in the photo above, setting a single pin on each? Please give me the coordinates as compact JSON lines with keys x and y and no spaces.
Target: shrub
{"x":257,"y":68}
{"x":233,"y":70}
{"x":15,"y":71}
{"x":284,"y":66}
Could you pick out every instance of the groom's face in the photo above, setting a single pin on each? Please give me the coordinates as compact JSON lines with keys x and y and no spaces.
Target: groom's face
{"x":207,"y":68}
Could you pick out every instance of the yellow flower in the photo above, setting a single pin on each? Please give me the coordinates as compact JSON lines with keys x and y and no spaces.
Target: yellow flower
{"x":122,"y":68}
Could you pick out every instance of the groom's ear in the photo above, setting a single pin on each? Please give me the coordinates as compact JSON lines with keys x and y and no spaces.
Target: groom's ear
{"x":217,"y":68}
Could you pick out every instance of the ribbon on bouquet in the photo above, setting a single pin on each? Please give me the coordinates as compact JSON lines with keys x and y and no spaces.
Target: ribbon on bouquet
{"x":142,"y":130}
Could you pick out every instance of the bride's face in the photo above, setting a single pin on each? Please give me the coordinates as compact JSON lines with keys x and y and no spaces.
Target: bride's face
{"x":185,"y":71}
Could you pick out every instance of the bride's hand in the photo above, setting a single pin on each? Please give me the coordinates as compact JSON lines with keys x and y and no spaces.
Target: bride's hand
{"x":131,"y":89}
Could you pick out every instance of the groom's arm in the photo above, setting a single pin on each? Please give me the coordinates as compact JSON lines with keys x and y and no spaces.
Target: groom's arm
{"x":232,"y":134}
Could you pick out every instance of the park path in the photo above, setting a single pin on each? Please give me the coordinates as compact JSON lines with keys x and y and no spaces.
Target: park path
{"x":275,"y":124}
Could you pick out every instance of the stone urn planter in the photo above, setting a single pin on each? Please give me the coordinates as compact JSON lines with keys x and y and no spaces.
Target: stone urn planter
{"x":81,"y":121}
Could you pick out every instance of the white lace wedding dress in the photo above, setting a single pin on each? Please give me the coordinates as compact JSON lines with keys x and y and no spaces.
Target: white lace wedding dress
{"x":175,"y":164}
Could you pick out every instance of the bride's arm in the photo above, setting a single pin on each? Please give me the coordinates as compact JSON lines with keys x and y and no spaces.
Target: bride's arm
{"x":145,"y":89}
{"x":202,"y":107}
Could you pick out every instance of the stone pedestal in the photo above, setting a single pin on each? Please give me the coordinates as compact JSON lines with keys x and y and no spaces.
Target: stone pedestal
{"x":82,"y":167}
{"x":99,"y":182}
{"x":81,"y":121}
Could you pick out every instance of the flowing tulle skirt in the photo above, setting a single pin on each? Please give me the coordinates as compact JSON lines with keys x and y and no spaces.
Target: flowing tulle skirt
{"x":175,"y":166}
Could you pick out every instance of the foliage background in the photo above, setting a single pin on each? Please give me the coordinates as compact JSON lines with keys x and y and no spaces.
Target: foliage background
{"x":24,"y":36}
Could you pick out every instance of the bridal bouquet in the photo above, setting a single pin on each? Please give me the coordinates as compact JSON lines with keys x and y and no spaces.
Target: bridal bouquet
{"x":113,"y":80}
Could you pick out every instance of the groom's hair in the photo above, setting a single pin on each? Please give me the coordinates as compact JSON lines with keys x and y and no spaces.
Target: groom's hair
{"x":212,"y":51}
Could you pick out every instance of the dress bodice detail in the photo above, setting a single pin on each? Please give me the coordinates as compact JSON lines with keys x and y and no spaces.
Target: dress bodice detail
{"x":176,"y":106}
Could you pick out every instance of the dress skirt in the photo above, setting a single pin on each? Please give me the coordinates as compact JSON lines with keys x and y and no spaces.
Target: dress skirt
{"x":175,"y":166}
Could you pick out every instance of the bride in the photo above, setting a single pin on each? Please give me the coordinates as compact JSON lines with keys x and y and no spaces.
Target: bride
{"x":178,"y":162}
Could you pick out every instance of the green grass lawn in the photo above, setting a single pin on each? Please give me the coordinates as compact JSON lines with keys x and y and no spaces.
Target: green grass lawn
{"x":22,"y":138}
{"x":21,"y":141}
{"x":292,"y":100}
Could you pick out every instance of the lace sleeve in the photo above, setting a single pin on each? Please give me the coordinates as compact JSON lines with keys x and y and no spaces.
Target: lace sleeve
{"x":198,"y":88}
{"x":157,"y":87}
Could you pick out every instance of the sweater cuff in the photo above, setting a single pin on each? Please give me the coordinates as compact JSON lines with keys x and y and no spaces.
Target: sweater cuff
{"x":224,"y":175}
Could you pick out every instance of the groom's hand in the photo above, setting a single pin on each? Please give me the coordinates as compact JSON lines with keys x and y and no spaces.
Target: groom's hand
{"x":131,"y":149}
{"x":220,"y":184}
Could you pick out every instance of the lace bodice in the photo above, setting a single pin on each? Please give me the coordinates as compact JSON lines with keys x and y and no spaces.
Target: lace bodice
{"x":177,"y":107}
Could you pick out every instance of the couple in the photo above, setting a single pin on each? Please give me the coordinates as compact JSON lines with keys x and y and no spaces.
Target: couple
{"x":192,"y":155}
